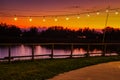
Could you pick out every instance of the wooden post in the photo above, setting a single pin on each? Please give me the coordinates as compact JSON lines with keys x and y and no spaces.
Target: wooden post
{"x":88,"y":49}
{"x":71,"y":55}
{"x":9,"y":54}
{"x":52,"y":51}
{"x":104,"y":50}
{"x":32,"y":53}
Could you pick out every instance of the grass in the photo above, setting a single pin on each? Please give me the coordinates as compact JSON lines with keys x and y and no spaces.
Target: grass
{"x":45,"y":69}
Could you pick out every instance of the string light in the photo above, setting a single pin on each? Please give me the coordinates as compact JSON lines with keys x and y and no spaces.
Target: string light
{"x":88,"y":15}
{"x":98,"y":13}
{"x":107,"y":11}
{"x":55,"y":19}
{"x":15,"y":18}
{"x":67,"y":18}
{"x":30,"y":19}
{"x":44,"y":19}
{"x":116,"y":12}
{"x":78,"y":17}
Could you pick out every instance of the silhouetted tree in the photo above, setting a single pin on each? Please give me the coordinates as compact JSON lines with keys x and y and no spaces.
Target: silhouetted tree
{"x":11,"y":33}
{"x":31,"y":33}
{"x":14,"y":31}
{"x":111,"y":34}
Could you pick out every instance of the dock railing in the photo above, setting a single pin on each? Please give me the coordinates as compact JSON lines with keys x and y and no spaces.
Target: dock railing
{"x":88,"y":46}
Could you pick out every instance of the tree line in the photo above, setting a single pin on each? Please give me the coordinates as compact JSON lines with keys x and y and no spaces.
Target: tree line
{"x":13,"y":34}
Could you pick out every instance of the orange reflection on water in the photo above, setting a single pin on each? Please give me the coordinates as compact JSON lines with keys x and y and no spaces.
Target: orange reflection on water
{"x":79,"y":51}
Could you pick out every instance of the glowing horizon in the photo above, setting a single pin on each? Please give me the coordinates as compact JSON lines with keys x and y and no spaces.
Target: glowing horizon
{"x":93,"y":21}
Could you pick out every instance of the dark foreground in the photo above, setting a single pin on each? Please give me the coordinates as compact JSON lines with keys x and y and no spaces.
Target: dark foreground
{"x":45,"y":69}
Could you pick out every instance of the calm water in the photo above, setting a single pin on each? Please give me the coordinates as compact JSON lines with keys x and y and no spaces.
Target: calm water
{"x":23,"y":50}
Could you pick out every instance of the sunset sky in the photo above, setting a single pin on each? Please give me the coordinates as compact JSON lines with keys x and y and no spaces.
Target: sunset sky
{"x":35,"y":10}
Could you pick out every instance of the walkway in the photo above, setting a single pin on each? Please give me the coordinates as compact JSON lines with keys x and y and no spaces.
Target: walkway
{"x":105,"y":71}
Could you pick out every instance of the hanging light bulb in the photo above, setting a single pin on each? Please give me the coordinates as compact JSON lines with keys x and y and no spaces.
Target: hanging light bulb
{"x":67,"y":18}
{"x":116,"y":12}
{"x":88,"y":15}
{"x":98,"y":13}
{"x":55,"y":19}
{"x":30,"y":19}
{"x":107,"y":11}
{"x":78,"y":17}
{"x":15,"y":18}
{"x":44,"y":20}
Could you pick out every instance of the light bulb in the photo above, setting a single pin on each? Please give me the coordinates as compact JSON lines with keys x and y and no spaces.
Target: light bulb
{"x":15,"y":18}
{"x":98,"y":13}
{"x":67,"y":18}
{"x":88,"y":15}
{"x":116,"y":13}
{"x":44,"y":20}
{"x":107,"y":11}
{"x":55,"y":19}
{"x":30,"y":19}
{"x":78,"y":17}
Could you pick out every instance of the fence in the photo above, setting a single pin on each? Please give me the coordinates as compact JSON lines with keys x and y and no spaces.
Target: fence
{"x":104,"y":47}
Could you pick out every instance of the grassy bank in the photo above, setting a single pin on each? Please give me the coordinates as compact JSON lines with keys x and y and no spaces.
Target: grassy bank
{"x":44,"y":69}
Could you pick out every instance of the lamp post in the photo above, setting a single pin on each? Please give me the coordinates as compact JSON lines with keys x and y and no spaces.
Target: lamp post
{"x":104,"y":32}
{"x":106,"y":21}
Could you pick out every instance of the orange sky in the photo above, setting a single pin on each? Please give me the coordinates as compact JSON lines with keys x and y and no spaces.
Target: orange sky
{"x":94,"y":21}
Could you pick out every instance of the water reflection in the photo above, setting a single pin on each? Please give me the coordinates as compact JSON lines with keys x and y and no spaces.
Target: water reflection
{"x":20,"y":50}
{"x":79,"y":51}
{"x":3,"y":52}
{"x":41,"y":50}
{"x":25,"y":50}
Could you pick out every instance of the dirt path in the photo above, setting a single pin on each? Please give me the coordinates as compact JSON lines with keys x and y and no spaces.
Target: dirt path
{"x":105,"y":71}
